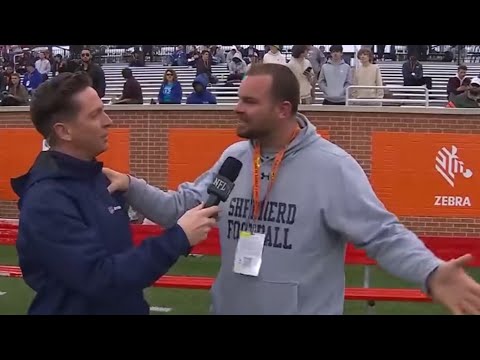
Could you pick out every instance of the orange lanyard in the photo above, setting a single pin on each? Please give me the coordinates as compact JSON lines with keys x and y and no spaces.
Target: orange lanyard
{"x":256,"y":173}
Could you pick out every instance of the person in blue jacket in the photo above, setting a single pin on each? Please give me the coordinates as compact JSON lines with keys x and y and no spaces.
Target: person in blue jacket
{"x":171,"y":89}
{"x":75,"y":246}
{"x":201,"y":95}
{"x":32,"y":78}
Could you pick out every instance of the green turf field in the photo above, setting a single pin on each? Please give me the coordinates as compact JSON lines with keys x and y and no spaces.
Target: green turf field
{"x":15,"y":295}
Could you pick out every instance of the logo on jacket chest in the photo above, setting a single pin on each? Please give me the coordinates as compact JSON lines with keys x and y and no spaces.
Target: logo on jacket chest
{"x":113,"y":209}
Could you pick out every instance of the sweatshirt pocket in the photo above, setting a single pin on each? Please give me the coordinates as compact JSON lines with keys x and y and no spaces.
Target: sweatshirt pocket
{"x":256,"y":297}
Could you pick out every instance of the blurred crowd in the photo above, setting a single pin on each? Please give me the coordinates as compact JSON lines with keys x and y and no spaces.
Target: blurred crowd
{"x":23,"y":70}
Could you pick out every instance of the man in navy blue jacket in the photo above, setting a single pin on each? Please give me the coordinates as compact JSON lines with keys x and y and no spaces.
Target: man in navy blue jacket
{"x":74,"y":242}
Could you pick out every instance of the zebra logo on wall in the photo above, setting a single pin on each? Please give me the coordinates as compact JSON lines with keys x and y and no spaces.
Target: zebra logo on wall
{"x":448,"y":164}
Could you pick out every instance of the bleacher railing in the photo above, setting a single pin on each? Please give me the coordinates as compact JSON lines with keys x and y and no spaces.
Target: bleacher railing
{"x":414,"y":89}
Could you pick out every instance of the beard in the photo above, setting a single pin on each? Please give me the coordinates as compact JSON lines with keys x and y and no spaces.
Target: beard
{"x":246,"y":131}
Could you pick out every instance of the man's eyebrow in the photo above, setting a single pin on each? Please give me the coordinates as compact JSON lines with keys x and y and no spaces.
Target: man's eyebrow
{"x":248,"y":98}
{"x":96,"y":110}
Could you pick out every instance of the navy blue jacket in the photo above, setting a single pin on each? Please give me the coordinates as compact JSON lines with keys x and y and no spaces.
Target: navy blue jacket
{"x":75,"y":244}
{"x":204,"y":96}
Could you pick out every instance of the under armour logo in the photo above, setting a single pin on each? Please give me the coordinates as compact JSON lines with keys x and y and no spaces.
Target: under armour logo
{"x":265,"y":176}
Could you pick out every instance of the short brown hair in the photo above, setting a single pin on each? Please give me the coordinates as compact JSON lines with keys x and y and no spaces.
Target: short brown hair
{"x":366,"y":51}
{"x":285,"y":86}
{"x":298,"y":50}
{"x":53,"y":100}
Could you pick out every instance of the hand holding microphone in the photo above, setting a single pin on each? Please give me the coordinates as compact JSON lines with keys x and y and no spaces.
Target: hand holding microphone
{"x":197,"y":223}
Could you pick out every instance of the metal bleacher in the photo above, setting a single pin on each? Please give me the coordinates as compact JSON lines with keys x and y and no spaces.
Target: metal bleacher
{"x":151,"y":76}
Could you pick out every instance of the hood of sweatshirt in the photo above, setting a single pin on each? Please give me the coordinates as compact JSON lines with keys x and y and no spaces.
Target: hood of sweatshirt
{"x":201,"y":79}
{"x":54,"y":165}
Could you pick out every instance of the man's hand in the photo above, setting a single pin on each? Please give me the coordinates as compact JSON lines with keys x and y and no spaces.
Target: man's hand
{"x":118,"y":181}
{"x":452,"y":287}
{"x":197,"y":223}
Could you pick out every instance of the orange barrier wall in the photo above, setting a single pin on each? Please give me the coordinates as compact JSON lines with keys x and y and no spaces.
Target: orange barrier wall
{"x":192,"y":151}
{"x":20,"y":146}
{"x":423,"y":165}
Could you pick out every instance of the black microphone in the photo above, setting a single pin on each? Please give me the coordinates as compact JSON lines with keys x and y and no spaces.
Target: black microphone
{"x":222,"y":185}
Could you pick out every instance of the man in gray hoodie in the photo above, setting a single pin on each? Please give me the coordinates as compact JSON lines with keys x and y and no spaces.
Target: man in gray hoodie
{"x":335,"y":77}
{"x":297,"y":201}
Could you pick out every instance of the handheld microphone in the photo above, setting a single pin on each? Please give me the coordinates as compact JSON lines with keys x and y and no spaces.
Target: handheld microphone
{"x":223,"y":184}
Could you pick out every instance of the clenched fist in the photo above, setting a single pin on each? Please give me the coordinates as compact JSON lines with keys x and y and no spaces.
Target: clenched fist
{"x":197,"y":223}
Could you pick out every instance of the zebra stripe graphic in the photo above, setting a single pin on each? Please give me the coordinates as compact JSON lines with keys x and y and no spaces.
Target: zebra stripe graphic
{"x":448,"y":164}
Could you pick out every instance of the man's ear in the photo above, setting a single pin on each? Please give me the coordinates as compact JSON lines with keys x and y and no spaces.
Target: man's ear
{"x":62,"y":131}
{"x":284,"y":109}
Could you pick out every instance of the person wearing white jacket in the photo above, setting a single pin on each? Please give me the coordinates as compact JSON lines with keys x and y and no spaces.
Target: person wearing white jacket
{"x":274,"y":56}
{"x":43,"y":65}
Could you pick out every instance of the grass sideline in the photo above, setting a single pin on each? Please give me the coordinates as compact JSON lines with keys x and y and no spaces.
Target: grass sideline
{"x":17,"y":295}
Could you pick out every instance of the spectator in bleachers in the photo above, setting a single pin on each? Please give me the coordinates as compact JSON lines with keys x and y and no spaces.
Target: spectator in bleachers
{"x":317,"y":59}
{"x":412,"y":71}
{"x":204,"y":66}
{"x":138,"y":58}
{"x":231,"y":54}
{"x":250,"y":51}
{"x":171,"y":89}
{"x":241,"y":49}
{"x":274,"y":56}
{"x":59,"y":65}
{"x":201,"y":95}
{"x":148,"y":49}
{"x":253,"y":60}
{"x":237,"y":68}
{"x":95,"y":72}
{"x":16,"y":94}
{"x":218,"y":54}
{"x":23,"y":60}
{"x":303,"y":70}
{"x":367,"y":74}
{"x":470,"y":98}
{"x":3,"y":81}
{"x":8,"y":73}
{"x":456,"y":85}
{"x":32,"y":78}
{"x":180,"y":57}
{"x":132,"y":90}
{"x":43,"y":65}
{"x":335,"y":77}
{"x":193,"y":55}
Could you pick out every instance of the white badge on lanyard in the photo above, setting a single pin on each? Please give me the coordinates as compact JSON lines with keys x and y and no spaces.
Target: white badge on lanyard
{"x":248,"y":256}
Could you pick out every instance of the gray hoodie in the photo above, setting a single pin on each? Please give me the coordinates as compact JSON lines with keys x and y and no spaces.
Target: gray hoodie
{"x":320,"y":200}
{"x":334,"y":80}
